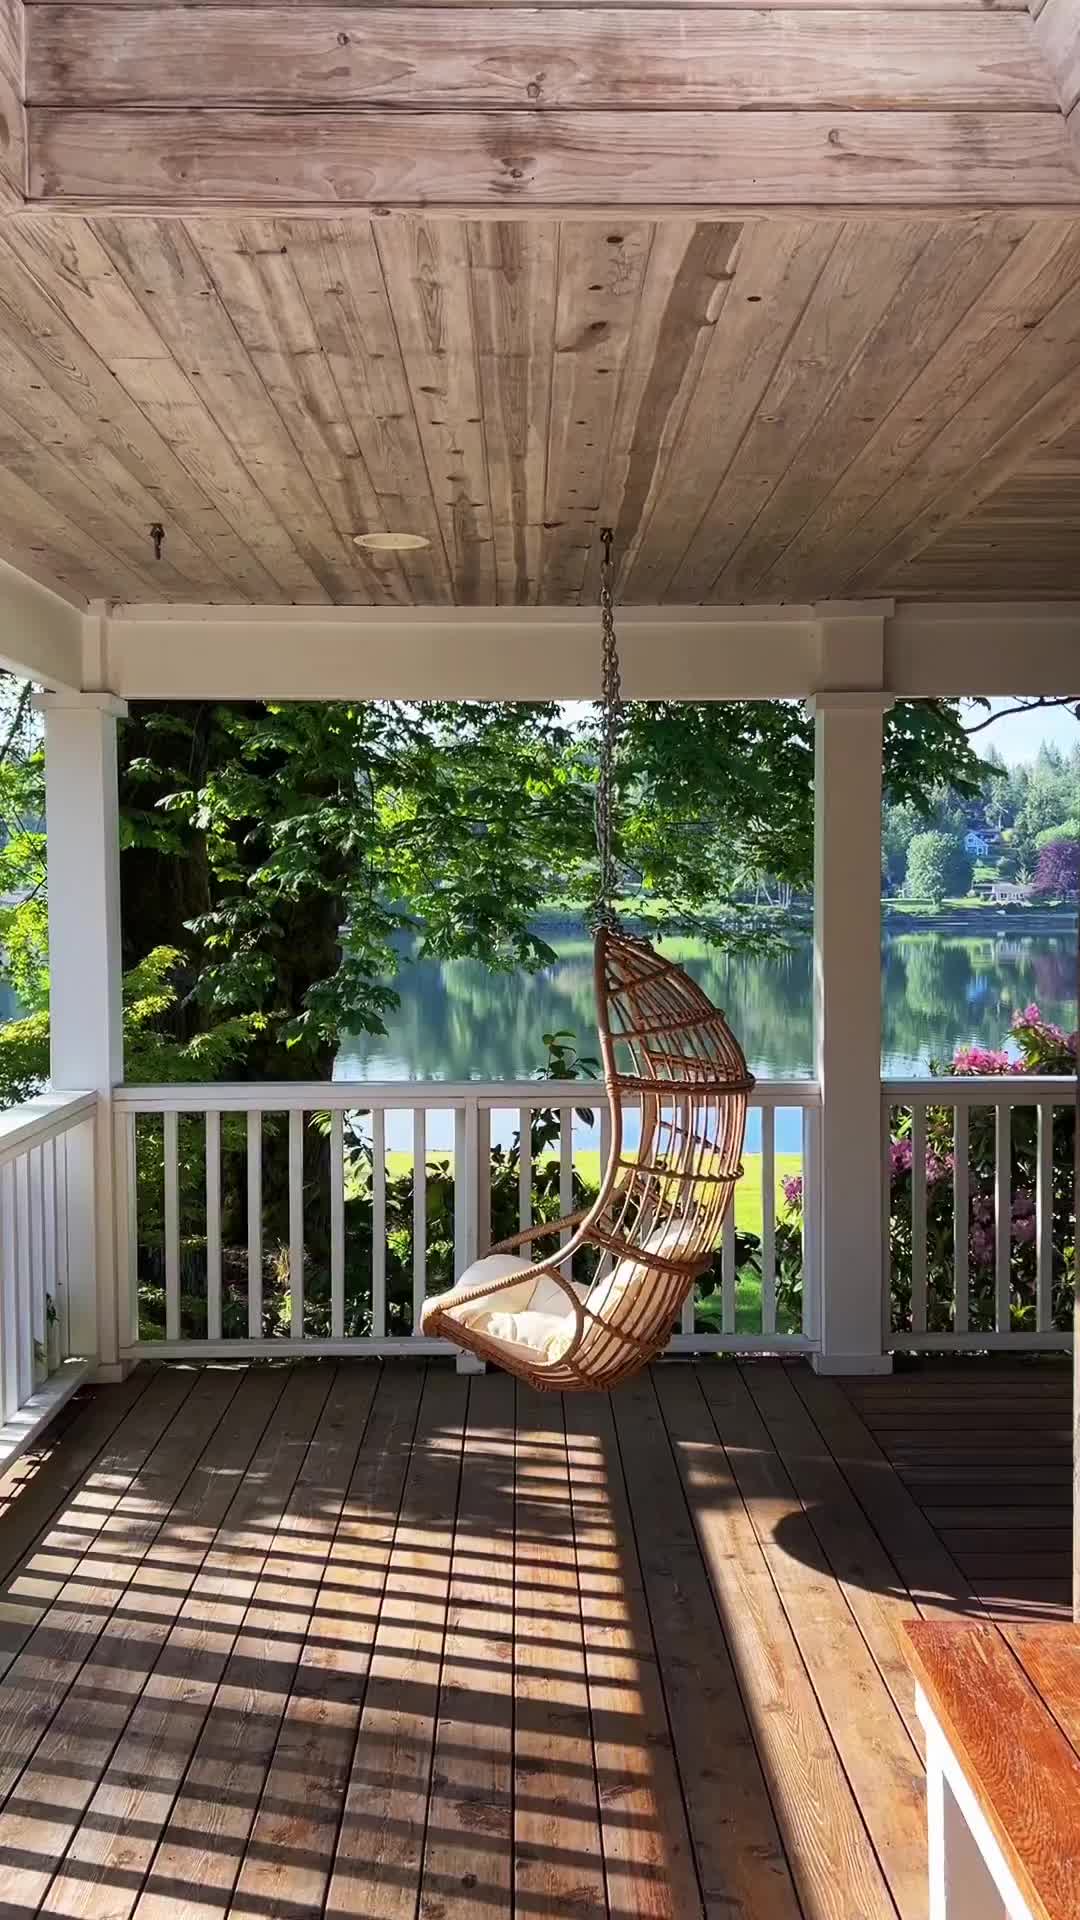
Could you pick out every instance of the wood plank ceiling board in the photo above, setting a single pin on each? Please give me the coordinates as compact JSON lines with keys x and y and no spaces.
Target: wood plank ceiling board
{"x":178,"y":295}
{"x":513,"y":274}
{"x":426,"y":270}
{"x":955,"y":262}
{"x":73,"y":310}
{"x":13,"y":151}
{"x":779,"y":409}
{"x":600,"y":277}
{"x":776,"y":267}
{"x":722,"y":59}
{"x":251,"y":266}
{"x":686,"y":282}
{"x":339,"y":272}
{"x":610,"y":158}
{"x":1043,"y":262}
{"x":1057,"y":35}
{"x":858,"y":282}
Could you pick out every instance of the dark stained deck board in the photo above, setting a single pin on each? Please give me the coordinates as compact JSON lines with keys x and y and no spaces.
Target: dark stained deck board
{"x":380,"y":1848}
{"x":347,"y":1639}
{"x":648,"y":1858}
{"x":468,"y":1845}
{"x":731,"y":1814}
{"x":193,"y":1840}
{"x":121,"y":1719}
{"x":985,"y":1451}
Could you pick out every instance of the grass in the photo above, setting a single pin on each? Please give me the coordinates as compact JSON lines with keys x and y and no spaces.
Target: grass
{"x":587,"y":1162}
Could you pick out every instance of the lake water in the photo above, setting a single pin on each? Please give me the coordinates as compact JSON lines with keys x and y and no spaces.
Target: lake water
{"x":940,"y":990}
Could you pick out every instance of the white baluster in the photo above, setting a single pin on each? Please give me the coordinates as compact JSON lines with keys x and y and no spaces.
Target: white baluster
{"x":172,"y":1228}
{"x":727,"y":1273}
{"x":296,"y":1223}
{"x":525,"y":1168}
{"x":419,"y":1252}
{"x":1002,"y":1215}
{"x":254,"y":1224}
{"x":918,"y":1217}
{"x":9,"y":1293}
{"x":213,"y":1225}
{"x":768,"y":1219}
{"x":961,"y":1219}
{"x":1044,"y":1219}
{"x":378,"y":1224}
{"x":337,"y":1224}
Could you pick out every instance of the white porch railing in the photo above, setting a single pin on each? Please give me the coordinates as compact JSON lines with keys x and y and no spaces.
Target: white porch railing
{"x":46,"y":1220}
{"x":317,"y":1238}
{"x":979,"y":1215}
{"x":338,"y":1246}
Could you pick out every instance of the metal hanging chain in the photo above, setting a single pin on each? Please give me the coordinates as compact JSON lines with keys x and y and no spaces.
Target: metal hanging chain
{"x":611,"y":727}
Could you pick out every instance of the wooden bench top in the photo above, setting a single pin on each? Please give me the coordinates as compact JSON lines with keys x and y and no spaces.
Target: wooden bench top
{"x":1008,"y":1702}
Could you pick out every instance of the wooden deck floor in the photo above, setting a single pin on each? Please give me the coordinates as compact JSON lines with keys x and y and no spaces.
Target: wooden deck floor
{"x":395,"y":1643}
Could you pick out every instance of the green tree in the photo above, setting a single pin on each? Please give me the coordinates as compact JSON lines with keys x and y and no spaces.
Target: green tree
{"x":937,"y":865}
{"x":281,"y":853}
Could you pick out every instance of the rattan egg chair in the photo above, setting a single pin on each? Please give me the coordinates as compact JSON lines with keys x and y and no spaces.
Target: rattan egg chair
{"x":658,"y":1215}
{"x":657,"y":1218}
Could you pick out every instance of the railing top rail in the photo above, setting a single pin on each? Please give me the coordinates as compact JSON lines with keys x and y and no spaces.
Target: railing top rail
{"x":982,"y":1089}
{"x":365,"y":1095}
{"x":41,"y":1118}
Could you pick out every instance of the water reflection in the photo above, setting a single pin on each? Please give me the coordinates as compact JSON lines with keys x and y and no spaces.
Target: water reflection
{"x":940,"y":990}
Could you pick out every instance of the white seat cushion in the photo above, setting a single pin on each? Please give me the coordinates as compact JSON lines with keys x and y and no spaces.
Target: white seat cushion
{"x":534,"y":1321}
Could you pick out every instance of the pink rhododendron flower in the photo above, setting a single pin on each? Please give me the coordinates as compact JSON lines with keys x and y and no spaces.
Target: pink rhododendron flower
{"x":899,"y":1157}
{"x":982,"y":1060}
{"x":982,"y":1246}
{"x":1031,"y":1017}
{"x":793,"y":1190}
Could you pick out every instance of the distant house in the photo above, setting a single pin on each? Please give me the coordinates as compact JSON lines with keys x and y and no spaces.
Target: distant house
{"x":1009,"y":893}
{"x":977,"y":843}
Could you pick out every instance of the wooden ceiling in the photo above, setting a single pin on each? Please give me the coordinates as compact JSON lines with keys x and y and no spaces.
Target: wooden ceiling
{"x":778,"y":409}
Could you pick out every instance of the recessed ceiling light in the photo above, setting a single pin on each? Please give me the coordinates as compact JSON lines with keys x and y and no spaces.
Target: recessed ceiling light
{"x":391,"y":542}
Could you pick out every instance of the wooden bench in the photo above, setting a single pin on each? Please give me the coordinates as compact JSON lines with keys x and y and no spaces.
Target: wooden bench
{"x":1001,"y":1709}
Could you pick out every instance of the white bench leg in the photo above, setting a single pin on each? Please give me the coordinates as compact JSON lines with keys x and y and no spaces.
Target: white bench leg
{"x":961,"y":1886}
{"x":969,"y":1876}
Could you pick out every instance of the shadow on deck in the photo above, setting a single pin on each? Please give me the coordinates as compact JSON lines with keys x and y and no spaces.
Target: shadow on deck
{"x":286,"y":1640}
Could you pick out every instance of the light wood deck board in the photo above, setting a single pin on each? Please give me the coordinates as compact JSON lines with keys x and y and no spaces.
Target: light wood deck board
{"x":122,"y":1716}
{"x":340,"y":1639}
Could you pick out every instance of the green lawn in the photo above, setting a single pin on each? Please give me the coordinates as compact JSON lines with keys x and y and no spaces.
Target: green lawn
{"x":587,"y":1162}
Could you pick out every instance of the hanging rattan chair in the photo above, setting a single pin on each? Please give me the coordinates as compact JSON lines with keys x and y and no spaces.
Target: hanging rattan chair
{"x":659,"y":1213}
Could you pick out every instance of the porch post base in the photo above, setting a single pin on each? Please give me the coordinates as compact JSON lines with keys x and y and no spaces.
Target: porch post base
{"x":471,"y":1363}
{"x":111,"y":1373}
{"x":852,"y":1363}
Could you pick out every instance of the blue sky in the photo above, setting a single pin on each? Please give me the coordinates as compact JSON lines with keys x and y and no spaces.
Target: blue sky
{"x":1019,"y":736}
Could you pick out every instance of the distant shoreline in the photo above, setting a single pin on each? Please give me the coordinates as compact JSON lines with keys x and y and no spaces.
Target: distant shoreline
{"x":972,"y":920}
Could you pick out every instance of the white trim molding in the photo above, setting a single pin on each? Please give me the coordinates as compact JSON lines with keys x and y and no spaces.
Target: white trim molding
{"x":41,"y":635}
{"x":544,"y":653}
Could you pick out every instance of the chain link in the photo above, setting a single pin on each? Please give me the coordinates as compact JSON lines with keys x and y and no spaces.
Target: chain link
{"x":611,"y":726}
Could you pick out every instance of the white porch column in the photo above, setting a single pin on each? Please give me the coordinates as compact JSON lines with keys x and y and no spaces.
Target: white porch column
{"x":82,"y":821}
{"x":847,"y":1025}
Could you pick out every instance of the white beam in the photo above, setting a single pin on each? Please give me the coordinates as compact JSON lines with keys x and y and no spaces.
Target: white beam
{"x":85,"y":1014}
{"x":997,"y":649}
{"x":40,"y":634}
{"x":847,"y":1025}
{"x":545,"y":653}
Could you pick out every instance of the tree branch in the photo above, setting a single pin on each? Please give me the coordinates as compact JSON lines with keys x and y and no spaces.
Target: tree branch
{"x":22,"y":706}
{"x":1040,"y":703}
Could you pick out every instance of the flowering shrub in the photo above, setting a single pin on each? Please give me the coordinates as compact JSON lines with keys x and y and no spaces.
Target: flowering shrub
{"x":1038,"y":1046}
